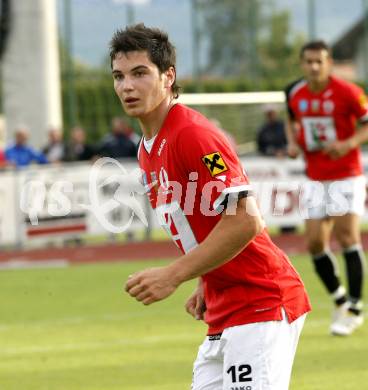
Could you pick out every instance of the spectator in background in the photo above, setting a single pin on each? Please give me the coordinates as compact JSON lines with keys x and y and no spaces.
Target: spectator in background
{"x":117,"y":144}
{"x":78,"y":149}
{"x":126,"y":129}
{"x":271,"y":139}
{"x":54,"y":149}
{"x":20,"y":154}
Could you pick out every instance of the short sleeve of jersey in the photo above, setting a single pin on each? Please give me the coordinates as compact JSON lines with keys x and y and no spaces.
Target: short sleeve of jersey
{"x":359,"y":103}
{"x":208,"y":158}
{"x":287,"y":91}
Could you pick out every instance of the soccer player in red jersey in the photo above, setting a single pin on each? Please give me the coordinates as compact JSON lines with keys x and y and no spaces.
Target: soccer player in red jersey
{"x":248,"y":293}
{"x":324,"y":113}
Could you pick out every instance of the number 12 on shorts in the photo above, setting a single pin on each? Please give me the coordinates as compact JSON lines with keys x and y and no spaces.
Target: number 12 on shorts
{"x":241,"y":373}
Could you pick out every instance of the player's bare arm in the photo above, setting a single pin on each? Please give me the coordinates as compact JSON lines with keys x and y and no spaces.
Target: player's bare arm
{"x":292,"y":146}
{"x":339,"y":149}
{"x":232,"y":234}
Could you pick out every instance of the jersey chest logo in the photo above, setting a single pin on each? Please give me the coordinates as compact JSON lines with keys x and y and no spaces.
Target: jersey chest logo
{"x":319,"y":132}
{"x":214,"y":163}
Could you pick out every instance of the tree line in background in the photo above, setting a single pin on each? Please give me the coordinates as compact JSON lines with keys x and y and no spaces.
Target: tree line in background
{"x":250,"y":48}
{"x":253,"y":42}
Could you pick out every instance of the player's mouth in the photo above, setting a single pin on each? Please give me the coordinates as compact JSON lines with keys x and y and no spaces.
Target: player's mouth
{"x":129,"y":101}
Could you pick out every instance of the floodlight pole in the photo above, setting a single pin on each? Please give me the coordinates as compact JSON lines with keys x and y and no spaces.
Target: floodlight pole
{"x":195,"y":39}
{"x":365,"y":40}
{"x":253,"y":35}
{"x":69,"y":68}
{"x":312,"y":31}
{"x":130,"y":14}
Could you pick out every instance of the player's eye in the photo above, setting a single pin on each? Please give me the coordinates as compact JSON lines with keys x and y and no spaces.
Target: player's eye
{"x":139,"y":73}
{"x":117,"y":76}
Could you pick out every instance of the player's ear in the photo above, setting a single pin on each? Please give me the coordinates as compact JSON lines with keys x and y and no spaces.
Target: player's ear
{"x":170,"y":76}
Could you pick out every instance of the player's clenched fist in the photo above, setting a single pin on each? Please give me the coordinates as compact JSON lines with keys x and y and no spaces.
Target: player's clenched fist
{"x":195,"y":304}
{"x":151,"y":285}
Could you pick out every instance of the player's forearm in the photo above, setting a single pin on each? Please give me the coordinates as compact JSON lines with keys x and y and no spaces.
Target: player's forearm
{"x":360,"y":137}
{"x":226,"y":240}
{"x":290,"y":131}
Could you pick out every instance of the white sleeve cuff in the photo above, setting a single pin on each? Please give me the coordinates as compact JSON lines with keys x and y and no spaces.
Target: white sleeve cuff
{"x":230,"y":191}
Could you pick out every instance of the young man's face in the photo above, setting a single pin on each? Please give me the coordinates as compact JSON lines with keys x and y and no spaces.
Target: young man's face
{"x":316,"y":65}
{"x":139,"y":84}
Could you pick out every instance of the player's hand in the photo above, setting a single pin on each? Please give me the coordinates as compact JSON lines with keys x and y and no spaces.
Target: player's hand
{"x":151,"y":285}
{"x":196,"y":305}
{"x":338,"y":149}
{"x":293,"y":150}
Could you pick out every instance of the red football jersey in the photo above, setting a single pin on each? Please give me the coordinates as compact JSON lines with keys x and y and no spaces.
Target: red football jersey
{"x":190,"y":172}
{"x":324,"y":117}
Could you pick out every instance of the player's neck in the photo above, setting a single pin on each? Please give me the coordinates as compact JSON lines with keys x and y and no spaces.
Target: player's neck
{"x":152,"y":122}
{"x":318,"y":86}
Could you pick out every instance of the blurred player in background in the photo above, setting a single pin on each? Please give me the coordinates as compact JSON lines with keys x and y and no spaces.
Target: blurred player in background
{"x":248,"y":293}
{"x":323,"y":115}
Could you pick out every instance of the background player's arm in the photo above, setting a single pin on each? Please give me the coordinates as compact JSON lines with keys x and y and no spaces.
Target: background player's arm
{"x":291,"y":125}
{"x":293,"y":149}
{"x":339,"y":149}
{"x":231,"y":234}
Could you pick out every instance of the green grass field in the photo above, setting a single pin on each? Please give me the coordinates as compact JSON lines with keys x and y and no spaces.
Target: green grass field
{"x":74,"y":328}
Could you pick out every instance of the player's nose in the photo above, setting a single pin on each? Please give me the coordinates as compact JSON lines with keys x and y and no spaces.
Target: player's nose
{"x":127,"y":84}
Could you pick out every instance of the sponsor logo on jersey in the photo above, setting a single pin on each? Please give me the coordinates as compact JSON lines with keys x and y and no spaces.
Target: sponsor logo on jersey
{"x":315,"y":105}
{"x":328,"y":106}
{"x":303,"y":105}
{"x":163,"y":143}
{"x":214,"y":163}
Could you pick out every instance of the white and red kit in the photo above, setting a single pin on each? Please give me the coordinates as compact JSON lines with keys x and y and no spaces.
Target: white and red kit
{"x":325,"y":117}
{"x":191,"y":172}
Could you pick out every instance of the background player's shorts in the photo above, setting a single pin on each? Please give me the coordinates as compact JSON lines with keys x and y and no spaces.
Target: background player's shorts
{"x":320,"y":199}
{"x":255,"y":356}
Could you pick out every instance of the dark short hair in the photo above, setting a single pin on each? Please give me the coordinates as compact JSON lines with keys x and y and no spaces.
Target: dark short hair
{"x":315,"y":45}
{"x":152,"y":40}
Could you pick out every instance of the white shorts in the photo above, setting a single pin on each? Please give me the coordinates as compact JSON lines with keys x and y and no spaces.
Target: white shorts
{"x":255,"y":356}
{"x":321,"y":199}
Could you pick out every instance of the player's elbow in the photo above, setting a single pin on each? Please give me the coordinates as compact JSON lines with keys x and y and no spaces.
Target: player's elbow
{"x":247,"y":223}
{"x":254,"y":225}
{"x":252,"y":218}
{"x":247,"y":227}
